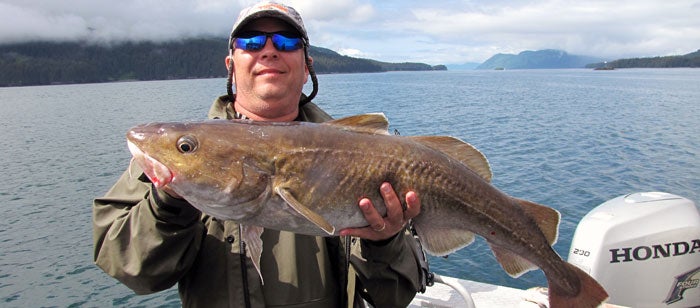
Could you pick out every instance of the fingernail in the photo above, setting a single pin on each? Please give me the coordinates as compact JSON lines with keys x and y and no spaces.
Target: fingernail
{"x":364,"y":203}
{"x":386,"y":187}
{"x":411,"y":197}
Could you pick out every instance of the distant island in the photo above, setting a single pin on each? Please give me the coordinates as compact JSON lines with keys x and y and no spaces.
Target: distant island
{"x":689,"y":60}
{"x":44,"y":63}
{"x":547,"y":58}
{"x":552,"y":58}
{"x":327,"y":61}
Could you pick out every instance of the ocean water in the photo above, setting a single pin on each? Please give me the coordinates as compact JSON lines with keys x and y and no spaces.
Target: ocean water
{"x":569,"y":139}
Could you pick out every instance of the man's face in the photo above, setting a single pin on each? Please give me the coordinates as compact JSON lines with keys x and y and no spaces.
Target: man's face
{"x":268,"y":81}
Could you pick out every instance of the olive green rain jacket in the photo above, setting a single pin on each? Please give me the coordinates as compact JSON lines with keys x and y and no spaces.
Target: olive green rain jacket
{"x":150,"y":241}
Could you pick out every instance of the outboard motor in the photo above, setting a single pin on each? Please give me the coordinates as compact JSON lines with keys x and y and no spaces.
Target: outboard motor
{"x":643,"y":248}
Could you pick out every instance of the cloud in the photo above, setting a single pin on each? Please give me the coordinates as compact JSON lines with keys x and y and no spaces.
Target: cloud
{"x":603,"y":28}
{"x":113,"y":20}
{"x":21,"y":23}
{"x":347,"y":11}
{"x":444,"y":32}
{"x":351,"y":52}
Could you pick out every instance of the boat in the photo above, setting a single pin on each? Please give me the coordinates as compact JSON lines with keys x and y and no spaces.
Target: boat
{"x":643,"y":248}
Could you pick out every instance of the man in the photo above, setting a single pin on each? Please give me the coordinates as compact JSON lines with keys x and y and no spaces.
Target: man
{"x":149,"y":239}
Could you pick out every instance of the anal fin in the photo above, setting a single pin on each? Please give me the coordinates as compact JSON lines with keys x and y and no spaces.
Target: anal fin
{"x":512,"y":263}
{"x":442,"y":241}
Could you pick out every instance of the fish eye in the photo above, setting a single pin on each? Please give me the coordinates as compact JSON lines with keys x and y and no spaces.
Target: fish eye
{"x":187,"y":144}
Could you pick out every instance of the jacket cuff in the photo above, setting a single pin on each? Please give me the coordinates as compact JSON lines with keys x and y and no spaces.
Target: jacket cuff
{"x":385,"y":251}
{"x":172,"y":210}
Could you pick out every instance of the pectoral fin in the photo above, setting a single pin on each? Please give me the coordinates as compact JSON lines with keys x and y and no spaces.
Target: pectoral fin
{"x":251,"y":237}
{"x":305,"y":211}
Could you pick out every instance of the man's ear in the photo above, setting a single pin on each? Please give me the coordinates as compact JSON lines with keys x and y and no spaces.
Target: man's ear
{"x":229,"y":66}
{"x":310,"y":60}
{"x":229,"y":62}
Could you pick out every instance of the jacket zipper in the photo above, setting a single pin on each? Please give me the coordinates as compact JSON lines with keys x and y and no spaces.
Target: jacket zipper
{"x":344,"y":298}
{"x":244,"y":268}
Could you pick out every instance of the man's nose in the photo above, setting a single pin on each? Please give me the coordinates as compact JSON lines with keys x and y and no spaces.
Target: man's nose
{"x":269,"y":49}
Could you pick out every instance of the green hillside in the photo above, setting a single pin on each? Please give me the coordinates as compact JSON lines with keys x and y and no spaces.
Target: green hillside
{"x":43,"y":63}
{"x":689,"y":60}
{"x":548,"y":58}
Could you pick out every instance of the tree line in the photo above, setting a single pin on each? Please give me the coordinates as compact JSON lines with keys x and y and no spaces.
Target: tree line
{"x":689,"y":60}
{"x":43,"y":63}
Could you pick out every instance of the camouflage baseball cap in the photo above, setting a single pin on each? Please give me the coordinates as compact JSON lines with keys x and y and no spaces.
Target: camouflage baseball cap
{"x":274,"y":10}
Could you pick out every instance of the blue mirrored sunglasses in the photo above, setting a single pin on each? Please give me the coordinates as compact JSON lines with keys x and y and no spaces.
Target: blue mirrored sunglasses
{"x":254,"y":41}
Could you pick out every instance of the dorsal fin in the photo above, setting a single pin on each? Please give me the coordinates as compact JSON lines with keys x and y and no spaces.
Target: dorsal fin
{"x":371,"y":123}
{"x":546,"y":218}
{"x":459,"y":150}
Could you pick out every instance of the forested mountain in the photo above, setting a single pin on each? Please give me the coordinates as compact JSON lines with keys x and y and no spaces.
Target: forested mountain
{"x":689,"y":60}
{"x":548,"y":58}
{"x":41,"y":63}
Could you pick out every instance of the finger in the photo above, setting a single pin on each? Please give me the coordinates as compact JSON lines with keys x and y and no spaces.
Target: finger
{"x":394,"y":210}
{"x":365,"y":233}
{"x":377,"y":229}
{"x":412,"y":205}
{"x":375,"y":220}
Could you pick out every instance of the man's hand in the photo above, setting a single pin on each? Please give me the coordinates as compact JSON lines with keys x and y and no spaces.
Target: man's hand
{"x":381,"y":228}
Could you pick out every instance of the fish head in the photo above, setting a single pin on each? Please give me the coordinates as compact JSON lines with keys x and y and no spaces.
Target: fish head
{"x":203,"y":162}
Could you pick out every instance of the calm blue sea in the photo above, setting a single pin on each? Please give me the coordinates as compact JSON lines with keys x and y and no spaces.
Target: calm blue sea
{"x":569,"y":139}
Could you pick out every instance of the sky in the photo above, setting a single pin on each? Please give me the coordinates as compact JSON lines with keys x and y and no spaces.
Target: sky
{"x":433,"y":32}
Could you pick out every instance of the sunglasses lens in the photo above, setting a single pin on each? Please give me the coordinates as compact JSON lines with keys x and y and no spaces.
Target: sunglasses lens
{"x":283,"y":43}
{"x":254,"y":41}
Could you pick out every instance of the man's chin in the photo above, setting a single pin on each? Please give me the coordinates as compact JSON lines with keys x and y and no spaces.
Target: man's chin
{"x":273,"y":91}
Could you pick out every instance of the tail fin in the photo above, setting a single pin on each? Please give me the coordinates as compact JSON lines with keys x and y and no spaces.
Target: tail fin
{"x":591,"y":293}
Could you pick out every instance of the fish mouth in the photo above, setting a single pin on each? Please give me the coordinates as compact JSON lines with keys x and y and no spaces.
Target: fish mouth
{"x":159,"y":174}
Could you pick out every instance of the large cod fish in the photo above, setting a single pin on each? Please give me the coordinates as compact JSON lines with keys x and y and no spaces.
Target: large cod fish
{"x":308,"y":178}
